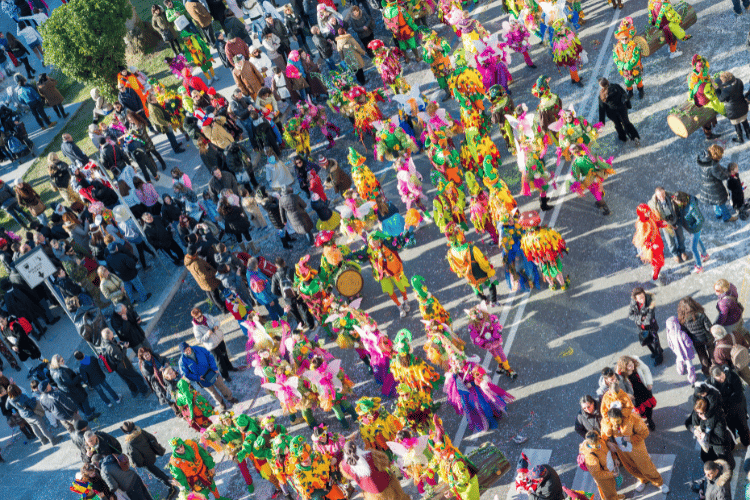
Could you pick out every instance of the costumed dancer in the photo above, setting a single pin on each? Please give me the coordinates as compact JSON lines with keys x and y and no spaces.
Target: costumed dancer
{"x":357,"y":215}
{"x":627,"y":57}
{"x":198,"y":54}
{"x":312,"y":473}
{"x":441,"y":342}
{"x":259,"y":447}
{"x":662,"y":15}
{"x":227,"y":434}
{"x":330,"y":444}
{"x":387,"y":267}
{"x":410,"y":185}
{"x":315,"y":116}
{"x":376,"y":427}
{"x":429,"y":306}
{"x":589,"y":172}
{"x":331,"y":385}
{"x":365,"y":109}
{"x":416,"y":384}
{"x":379,"y":351}
{"x":414,"y":457}
{"x":647,"y":239}
{"x":310,"y":288}
{"x":398,"y":21}
{"x":452,"y":466}
{"x":492,"y":63}
{"x":282,"y":463}
{"x":343,"y":318}
{"x":449,"y":204}
{"x":573,"y":130}
{"x":436,"y":52}
{"x":469,"y":30}
{"x":544,"y":247}
{"x":365,"y":182}
{"x":370,"y":470}
{"x":392,"y":141}
{"x":297,"y":135}
{"x":516,"y":37}
{"x":574,"y":13}
{"x":136,"y":80}
{"x":487,"y":333}
{"x":479,"y":208}
{"x":502,"y":104}
{"x":193,"y":407}
{"x":386,"y":61}
{"x":548,"y":109}
{"x":193,"y":467}
{"x":703,"y":92}
{"x":469,"y":262}
{"x":567,"y":50}
{"x":472,"y":394}
{"x":333,"y":257}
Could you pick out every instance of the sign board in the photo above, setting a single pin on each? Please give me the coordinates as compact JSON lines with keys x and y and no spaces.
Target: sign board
{"x":35,"y":267}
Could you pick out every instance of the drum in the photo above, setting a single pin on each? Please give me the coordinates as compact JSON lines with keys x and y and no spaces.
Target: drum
{"x":348,"y":280}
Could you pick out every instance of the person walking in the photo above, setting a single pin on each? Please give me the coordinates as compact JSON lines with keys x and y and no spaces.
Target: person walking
{"x":733,"y":401}
{"x":682,"y":347}
{"x":29,"y":96}
{"x":693,"y":319}
{"x":614,"y":104}
{"x":204,"y":275}
{"x":662,"y":204}
{"x":121,"y":479}
{"x":643,"y":314}
{"x":594,"y":451}
{"x":142,"y":448}
{"x":69,"y":382}
{"x":293,"y":211}
{"x":207,"y":331}
{"x":198,"y":365}
{"x":31,"y":411}
{"x":93,"y":376}
{"x":47,"y":87}
{"x":692,"y":220}
{"x":712,"y":176}
{"x":730,"y":310}
{"x":117,"y":359}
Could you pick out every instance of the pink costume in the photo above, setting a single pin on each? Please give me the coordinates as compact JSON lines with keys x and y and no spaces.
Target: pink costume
{"x":516,"y":37}
{"x":409,"y":182}
{"x":492,"y":65}
{"x":682,"y":347}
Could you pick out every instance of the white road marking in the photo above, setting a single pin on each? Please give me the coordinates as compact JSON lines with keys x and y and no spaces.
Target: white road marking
{"x":664,"y":464}
{"x":536,"y":457}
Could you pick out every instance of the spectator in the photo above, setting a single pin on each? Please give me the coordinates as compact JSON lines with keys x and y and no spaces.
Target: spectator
{"x":247,"y":77}
{"x":9,"y":203}
{"x":47,"y":87}
{"x":692,"y":318}
{"x":92,"y":375}
{"x":713,"y":176}
{"x":731,"y":92}
{"x":662,"y":204}
{"x":161,"y":238}
{"x":101,"y":443}
{"x":263,"y":63}
{"x":60,"y":176}
{"x":116,"y":357}
{"x":124,"y":265}
{"x":69,"y":382}
{"x":102,"y":107}
{"x":733,"y":401}
{"x":22,"y":303}
{"x":236,"y":46}
{"x":589,"y":418}
{"x":730,"y":310}
{"x":120,"y":479}
{"x":29,"y":409}
{"x":236,"y":223}
{"x":131,"y":101}
{"x":142,"y":448}
{"x":707,"y":424}
{"x":112,"y":156}
{"x":165,"y":29}
{"x":736,"y":187}
{"x":271,"y":205}
{"x":295,"y":26}
{"x":32,"y":38}
{"x":127,"y":325}
{"x":112,"y":287}
{"x":163,"y":122}
{"x":17,"y":332}
{"x":132,"y":235}
{"x":324,"y":46}
{"x":362,"y":24}
{"x":198,"y":365}
{"x":21,"y":54}
{"x":28,"y":198}
{"x":260,"y":287}
{"x":614,"y":104}
{"x":202,"y":18}
{"x":91,"y":474}
{"x":717,"y":483}
{"x":137,"y":126}
{"x":214,"y":130}
{"x":147,"y":195}
{"x":293,"y":212}
{"x":723,"y":349}
{"x":692,"y":220}
{"x":282,"y":286}
{"x":207,"y":331}
{"x":642,"y":312}
{"x":234,"y":27}
{"x":221,"y":180}
{"x":57,"y":404}
{"x":151,"y":365}
{"x":81,"y":427}
{"x":205,"y":275}
{"x":274,"y":48}
{"x":351,"y":51}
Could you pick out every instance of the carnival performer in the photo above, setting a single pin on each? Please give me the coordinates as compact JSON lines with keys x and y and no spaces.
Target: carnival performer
{"x":567,"y":50}
{"x":297,"y":135}
{"x":449,"y":204}
{"x":258,"y":447}
{"x":330,"y":444}
{"x":662,"y":15}
{"x":193,"y":407}
{"x":364,"y":180}
{"x":702,"y":88}
{"x":343,"y":319}
{"x":627,"y":57}
{"x":376,"y":427}
{"x":492,"y":63}
{"x":469,"y":262}
{"x":193,"y":467}
{"x":452,"y":466}
{"x":392,"y":141}
{"x":365,"y":109}
{"x":312,"y":473}
{"x":472,"y":394}
{"x":227,"y":435}
{"x":466,"y":28}
{"x":534,"y":175}
{"x":429,"y":306}
{"x":333,"y":257}
{"x":479,"y":208}
{"x":310,"y":288}
{"x":544,"y":247}
{"x":282,"y":463}
{"x":198,"y":54}
{"x":441,"y":342}
{"x":398,"y":21}
{"x":416,"y":383}
{"x":370,"y":470}
{"x":387,"y":268}
{"x":436,"y":52}
{"x":549,"y":107}
{"x":331,"y":385}
{"x":487,"y":333}
{"x":574,"y":13}
{"x":386,"y":61}
{"x":516,"y":37}
{"x":571,"y":130}
{"x":414,"y":457}
{"x":647,"y":239}
{"x":379,"y":350}
{"x":502,"y":104}
{"x":410,"y":184}
{"x":313,"y":115}
{"x":594,"y":452}
{"x":588,"y":172}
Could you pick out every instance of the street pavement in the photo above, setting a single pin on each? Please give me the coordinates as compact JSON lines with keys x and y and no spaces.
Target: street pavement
{"x":557,"y":341}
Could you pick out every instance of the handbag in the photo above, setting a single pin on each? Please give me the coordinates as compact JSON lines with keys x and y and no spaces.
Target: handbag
{"x":209,"y":378}
{"x":37,"y":209}
{"x":181,"y":23}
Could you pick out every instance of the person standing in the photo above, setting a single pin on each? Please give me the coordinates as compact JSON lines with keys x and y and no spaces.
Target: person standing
{"x":293,"y":212}
{"x":28,"y":198}
{"x":161,"y":238}
{"x":713,"y":176}
{"x":202,"y":18}
{"x":117,"y":359}
{"x":198,"y":365}
{"x":57,"y":404}
{"x":733,"y":401}
{"x":47,"y":87}
{"x":709,"y":427}
{"x":662,"y":204}
{"x":693,"y":319}
{"x":589,"y":418}
{"x":124,"y":265}
{"x":725,"y":343}
{"x":642,"y":382}
{"x":31,"y":411}
{"x":717,"y":482}
{"x":614,"y":104}
{"x":127,"y":325}
{"x":692,"y":220}
{"x":204,"y":275}
{"x":92,"y":375}
{"x":730,"y":90}
{"x":643,"y":314}
{"x":120,"y":479}
{"x":260,"y":287}
{"x":207,"y":331}
{"x":370,"y":470}
{"x":730,"y":310}
{"x":69,"y":382}
{"x":141,"y":447}
{"x":594,"y":452}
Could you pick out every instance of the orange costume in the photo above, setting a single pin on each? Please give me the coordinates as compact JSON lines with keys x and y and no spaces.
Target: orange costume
{"x":647,"y":239}
{"x":595,"y":458}
{"x":636,"y":460}
{"x":135,"y":81}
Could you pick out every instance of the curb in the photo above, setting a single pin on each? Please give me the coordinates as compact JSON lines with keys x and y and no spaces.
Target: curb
{"x":165,"y":300}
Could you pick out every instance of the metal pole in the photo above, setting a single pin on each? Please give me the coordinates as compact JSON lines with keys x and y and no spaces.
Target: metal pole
{"x":61,"y":301}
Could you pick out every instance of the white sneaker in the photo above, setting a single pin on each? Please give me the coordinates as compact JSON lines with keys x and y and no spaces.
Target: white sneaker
{"x":640,"y":486}
{"x":402,"y":311}
{"x":664,"y":489}
{"x":407,"y":307}
{"x":674,"y":54}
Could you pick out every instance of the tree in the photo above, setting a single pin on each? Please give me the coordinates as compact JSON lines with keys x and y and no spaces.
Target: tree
{"x":86,"y":40}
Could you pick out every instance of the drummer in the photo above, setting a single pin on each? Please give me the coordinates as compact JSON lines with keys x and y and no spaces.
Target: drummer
{"x":388,"y":268}
{"x":333,"y":258}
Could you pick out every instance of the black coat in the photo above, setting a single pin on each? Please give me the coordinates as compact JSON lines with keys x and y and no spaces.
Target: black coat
{"x":113,"y":156}
{"x":642,"y":316}
{"x":171,"y":212}
{"x":60,"y":175}
{"x":142,"y":448}
{"x":73,"y":153}
{"x":123,"y":265}
{"x":58,"y":404}
{"x":271,"y":206}
{"x":732,"y":94}
{"x":157,"y":383}
{"x":26,"y":347}
{"x":157,"y":234}
{"x":235,"y":220}
{"x":616,"y":105}
{"x":713,"y":176}
{"x":69,"y":382}
{"x":104,"y":194}
{"x":732,"y":394}
{"x":91,"y":372}
{"x":130,"y":100}
{"x":699,"y":329}
{"x":21,"y":305}
{"x":129,"y":330}
{"x":550,"y":488}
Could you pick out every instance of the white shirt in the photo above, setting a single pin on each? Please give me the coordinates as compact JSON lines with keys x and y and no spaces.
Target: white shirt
{"x":29,"y":34}
{"x":260,"y":62}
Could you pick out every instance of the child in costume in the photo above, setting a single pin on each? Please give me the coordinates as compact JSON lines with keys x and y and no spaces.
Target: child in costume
{"x":573,"y":130}
{"x":282,"y":463}
{"x":502,"y":104}
{"x":376,"y":427}
{"x":516,"y":37}
{"x":469,"y":262}
{"x":365,"y":109}
{"x":227,"y":435}
{"x":544,"y":247}
{"x":198,"y":54}
{"x":589,"y":172}
{"x":331,"y":385}
{"x":398,"y":21}
{"x":492,"y":63}
{"x":548,"y":109}
{"x":410,"y":184}
{"x":647,"y":239}
{"x":193,"y":467}
{"x":387,"y":267}
{"x":472,"y":394}
{"x":627,"y":57}
{"x":452,"y":466}
{"x":567,"y":50}
{"x":429,"y":306}
{"x":364,"y":180}
{"x":311,"y":474}
{"x":487,"y":333}
{"x":662,"y":15}
{"x":479,"y":208}
{"x":436,"y":52}
{"x":414,"y":457}
{"x":386,"y":61}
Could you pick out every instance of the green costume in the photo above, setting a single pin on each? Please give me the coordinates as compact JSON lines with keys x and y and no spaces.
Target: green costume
{"x":399,"y":22}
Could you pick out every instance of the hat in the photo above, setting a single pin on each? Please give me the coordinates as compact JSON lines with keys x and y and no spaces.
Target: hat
{"x":303,"y":271}
{"x":60,"y":209}
{"x":184,"y":345}
{"x":529,"y":219}
{"x":402,"y":342}
{"x":18,"y":77}
{"x":324,"y":237}
{"x":355,"y":159}
{"x":538,"y":472}
{"x":375,"y":45}
{"x":272,"y":159}
{"x":322,"y":161}
{"x":718,"y":331}
{"x":522,"y":466}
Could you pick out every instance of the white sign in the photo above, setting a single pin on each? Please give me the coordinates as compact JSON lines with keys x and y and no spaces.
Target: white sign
{"x":35,"y":267}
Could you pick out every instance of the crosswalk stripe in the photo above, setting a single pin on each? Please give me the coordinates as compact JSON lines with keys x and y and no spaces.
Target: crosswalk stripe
{"x":664,"y":464}
{"x":583,"y":481}
{"x":536,"y":457}
{"x":737,"y":472}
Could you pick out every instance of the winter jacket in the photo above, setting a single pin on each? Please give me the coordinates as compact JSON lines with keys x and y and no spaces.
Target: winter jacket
{"x":734,"y":185}
{"x":157,"y":234}
{"x":227,"y":181}
{"x":159,"y":117}
{"x":732,"y":94}
{"x":281,"y":279}
{"x":616,"y":106}
{"x":239,"y":108}
{"x":116,"y":356}
{"x":24,"y":405}
{"x":644,"y":316}
{"x":713,"y":176}
{"x":236,"y":46}
{"x":60,"y":175}
{"x":721,"y":487}
{"x":22,"y":305}
{"x":699,"y":329}
{"x":362,"y":25}
{"x":69,"y":382}
{"x":199,"y":13}
{"x":667,"y":211}
{"x":127,"y":481}
{"x":91,"y":372}
{"x":49,"y":91}
{"x":338,"y":177}
{"x":247,"y":78}
{"x":195,"y":367}
{"x":292,"y":210}
{"x":351,"y":51}
{"x":277,"y":28}
{"x":730,"y":310}
{"x":129,"y":330}
{"x":236,"y":28}
{"x":691,"y":216}
{"x":112,"y":289}
{"x":586,"y":422}
{"x":322,"y":44}
{"x":732,"y":394}
{"x":217,"y":134}
{"x":142,"y":448}
{"x":58,"y":404}
{"x":123,"y":265}
{"x":150,"y":371}
{"x":112,"y":155}
{"x":236,"y":221}
{"x":550,"y":488}
{"x":203,"y":273}
{"x":264,"y":295}
{"x":210,"y":334}
{"x":130,"y":100}
{"x":271,"y":206}
{"x":723,"y":348}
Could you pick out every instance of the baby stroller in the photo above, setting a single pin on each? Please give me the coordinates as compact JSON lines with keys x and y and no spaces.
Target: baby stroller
{"x":17,"y":141}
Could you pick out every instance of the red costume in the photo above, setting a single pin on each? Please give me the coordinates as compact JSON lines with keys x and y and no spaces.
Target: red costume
{"x":647,"y":238}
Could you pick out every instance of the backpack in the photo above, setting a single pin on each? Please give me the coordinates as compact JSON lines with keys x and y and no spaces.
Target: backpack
{"x":15,"y":146}
{"x":257,"y":285}
{"x":27,"y":95}
{"x":739,"y":354}
{"x":24,"y":324}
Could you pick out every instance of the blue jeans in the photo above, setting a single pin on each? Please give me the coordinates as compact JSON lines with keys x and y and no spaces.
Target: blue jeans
{"x":331,"y":62}
{"x":723,"y":212}
{"x":275,"y":311}
{"x":135,"y":286}
{"x":675,"y":242}
{"x":696,"y":242}
{"x":105,"y":386}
